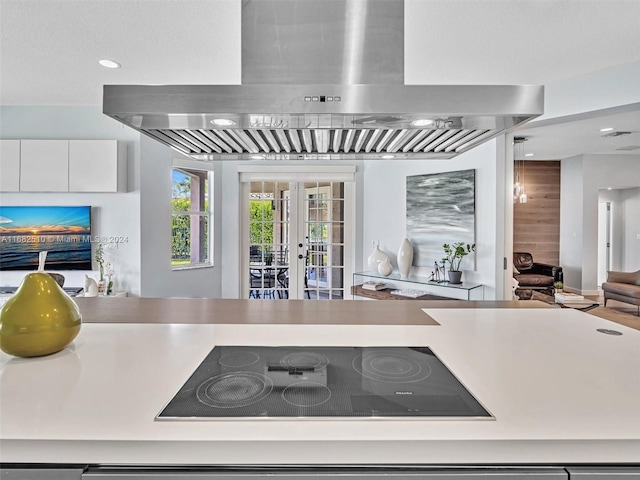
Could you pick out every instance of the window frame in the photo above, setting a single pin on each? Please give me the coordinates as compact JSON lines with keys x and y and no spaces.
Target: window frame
{"x":195,"y":168}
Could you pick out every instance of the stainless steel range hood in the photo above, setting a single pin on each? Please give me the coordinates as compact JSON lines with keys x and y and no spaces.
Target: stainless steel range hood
{"x":322,"y":83}
{"x":287,"y":122}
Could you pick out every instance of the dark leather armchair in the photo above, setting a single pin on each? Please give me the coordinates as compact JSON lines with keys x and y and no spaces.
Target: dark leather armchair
{"x":58,"y":277}
{"x":534,"y":276}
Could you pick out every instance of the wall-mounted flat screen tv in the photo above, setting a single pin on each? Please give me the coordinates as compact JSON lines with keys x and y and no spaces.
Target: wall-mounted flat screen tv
{"x":64,"y":232}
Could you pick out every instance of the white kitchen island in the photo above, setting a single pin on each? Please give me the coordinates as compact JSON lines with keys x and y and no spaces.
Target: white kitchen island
{"x":560,"y":391}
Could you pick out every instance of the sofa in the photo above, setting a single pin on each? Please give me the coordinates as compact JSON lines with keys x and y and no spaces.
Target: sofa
{"x":533,"y":275}
{"x":622,"y":286}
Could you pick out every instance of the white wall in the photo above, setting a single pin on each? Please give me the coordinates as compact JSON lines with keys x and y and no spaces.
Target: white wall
{"x":581,"y":179}
{"x":571,"y":235}
{"x":230,"y":230}
{"x":617,"y":227}
{"x":630,"y":199}
{"x":384,"y":209}
{"x":157,"y":277}
{"x":113,"y":214}
{"x":603,"y":229}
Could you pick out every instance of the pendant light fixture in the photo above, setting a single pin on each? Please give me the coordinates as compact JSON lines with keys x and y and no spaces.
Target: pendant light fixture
{"x":519,"y":194}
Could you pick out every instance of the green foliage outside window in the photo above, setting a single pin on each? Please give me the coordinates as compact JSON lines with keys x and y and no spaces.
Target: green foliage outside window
{"x":261,"y":223}
{"x":318,"y":232}
{"x":180,"y":239}
{"x":181,"y":229}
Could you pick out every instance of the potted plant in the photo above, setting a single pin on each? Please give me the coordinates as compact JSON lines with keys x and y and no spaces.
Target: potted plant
{"x":558,"y":286}
{"x":453,"y":256}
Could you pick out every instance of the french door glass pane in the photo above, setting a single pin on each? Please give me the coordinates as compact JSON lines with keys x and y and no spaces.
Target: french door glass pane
{"x":269,"y":235}
{"x":324,"y":237}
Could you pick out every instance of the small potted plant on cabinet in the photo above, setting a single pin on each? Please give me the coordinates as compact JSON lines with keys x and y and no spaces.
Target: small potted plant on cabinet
{"x":453,"y":256}
{"x":558,"y":286}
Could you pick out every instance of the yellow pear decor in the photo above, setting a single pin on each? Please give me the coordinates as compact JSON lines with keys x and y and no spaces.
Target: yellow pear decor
{"x":40,"y":318}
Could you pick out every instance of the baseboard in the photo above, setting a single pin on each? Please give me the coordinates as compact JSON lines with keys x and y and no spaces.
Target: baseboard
{"x":581,"y":292}
{"x":590,"y":292}
{"x":571,"y":290}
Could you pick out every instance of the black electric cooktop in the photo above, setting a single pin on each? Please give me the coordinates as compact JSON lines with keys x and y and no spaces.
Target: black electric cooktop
{"x":268,"y":382}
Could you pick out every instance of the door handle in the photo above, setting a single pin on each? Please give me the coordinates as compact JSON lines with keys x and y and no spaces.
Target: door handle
{"x":300,"y":256}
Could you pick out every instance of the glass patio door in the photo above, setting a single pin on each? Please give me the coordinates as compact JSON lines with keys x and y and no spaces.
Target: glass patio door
{"x":298,"y":240}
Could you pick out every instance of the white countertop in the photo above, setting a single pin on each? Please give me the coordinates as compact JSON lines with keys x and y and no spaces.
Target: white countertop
{"x":559,"y":390}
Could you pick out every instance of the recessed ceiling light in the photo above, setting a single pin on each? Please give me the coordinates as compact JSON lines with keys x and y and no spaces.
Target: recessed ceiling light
{"x":257,"y":157}
{"x":223,"y":122}
{"x":609,"y":188}
{"x":388,"y":156}
{"x":608,"y":129}
{"x":528,"y":154}
{"x":423,"y":122}
{"x":109,"y":63}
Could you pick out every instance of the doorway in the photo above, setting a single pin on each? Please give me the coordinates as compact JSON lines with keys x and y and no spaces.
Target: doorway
{"x":297,"y":239}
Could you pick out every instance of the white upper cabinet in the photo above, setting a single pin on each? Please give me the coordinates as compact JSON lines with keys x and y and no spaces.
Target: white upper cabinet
{"x":93,"y":166}
{"x":62,"y":166}
{"x":9,"y":165}
{"x":44,"y":166}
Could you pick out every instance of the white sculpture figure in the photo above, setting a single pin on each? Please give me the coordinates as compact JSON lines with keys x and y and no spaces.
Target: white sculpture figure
{"x":376,"y":257}
{"x":90,"y":287}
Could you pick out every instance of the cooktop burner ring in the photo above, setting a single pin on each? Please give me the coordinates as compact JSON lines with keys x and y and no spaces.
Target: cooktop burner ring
{"x":236,"y":389}
{"x":306,"y":394}
{"x":391,"y":368}
{"x":238,"y":359}
{"x":403,"y":368}
{"x":304,"y":359}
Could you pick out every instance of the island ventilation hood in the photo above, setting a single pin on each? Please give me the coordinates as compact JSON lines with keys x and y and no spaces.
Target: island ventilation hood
{"x":322,"y":83}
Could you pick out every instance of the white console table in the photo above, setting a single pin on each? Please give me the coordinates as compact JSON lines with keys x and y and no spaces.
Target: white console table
{"x":461,"y":291}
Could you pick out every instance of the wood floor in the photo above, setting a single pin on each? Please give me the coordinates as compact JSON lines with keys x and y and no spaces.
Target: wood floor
{"x":618,"y":312}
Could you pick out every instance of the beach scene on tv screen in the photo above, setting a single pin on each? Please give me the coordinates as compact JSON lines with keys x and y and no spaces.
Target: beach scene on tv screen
{"x":64,"y":232}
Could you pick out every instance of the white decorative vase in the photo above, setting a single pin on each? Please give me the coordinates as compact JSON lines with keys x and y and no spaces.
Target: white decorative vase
{"x":385,"y":268}
{"x":376,"y":257}
{"x":405,"y":258}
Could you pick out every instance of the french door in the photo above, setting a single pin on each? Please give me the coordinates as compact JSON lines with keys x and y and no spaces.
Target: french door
{"x":297,"y":239}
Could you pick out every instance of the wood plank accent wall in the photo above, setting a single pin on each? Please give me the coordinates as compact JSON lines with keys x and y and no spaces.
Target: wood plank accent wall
{"x":536,"y":224}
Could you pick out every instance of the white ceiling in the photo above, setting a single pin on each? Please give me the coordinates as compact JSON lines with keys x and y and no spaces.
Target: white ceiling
{"x":49,"y":50}
{"x":582,"y":136}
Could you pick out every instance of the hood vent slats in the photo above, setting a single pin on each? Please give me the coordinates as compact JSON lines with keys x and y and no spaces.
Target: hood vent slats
{"x":373,"y":140}
{"x":232,"y":143}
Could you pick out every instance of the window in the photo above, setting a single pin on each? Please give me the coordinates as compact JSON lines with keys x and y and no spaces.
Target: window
{"x":191,"y":238}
